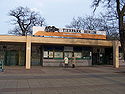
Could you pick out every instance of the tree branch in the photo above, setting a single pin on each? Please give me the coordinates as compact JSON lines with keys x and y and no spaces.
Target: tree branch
{"x":118,"y":7}
{"x":123,"y":10}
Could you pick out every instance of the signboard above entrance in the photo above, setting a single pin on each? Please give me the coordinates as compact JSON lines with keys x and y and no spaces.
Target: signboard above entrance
{"x":52,"y":31}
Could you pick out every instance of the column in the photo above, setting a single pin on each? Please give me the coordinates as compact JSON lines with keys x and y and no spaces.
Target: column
{"x":115,"y":54}
{"x":28,"y":52}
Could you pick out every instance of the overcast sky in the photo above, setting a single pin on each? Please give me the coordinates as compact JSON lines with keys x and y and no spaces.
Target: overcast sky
{"x":56,"y":12}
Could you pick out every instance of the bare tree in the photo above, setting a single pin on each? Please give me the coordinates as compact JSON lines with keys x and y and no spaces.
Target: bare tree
{"x":101,"y":23}
{"x":24,"y":19}
{"x":77,"y":23}
{"x":117,"y":8}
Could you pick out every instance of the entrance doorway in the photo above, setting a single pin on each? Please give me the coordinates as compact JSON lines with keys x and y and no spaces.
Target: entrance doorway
{"x":13,"y":53}
{"x":11,"y":58}
{"x":98,"y":57}
{"x":102,"y":56}
{"x":37,"y":55}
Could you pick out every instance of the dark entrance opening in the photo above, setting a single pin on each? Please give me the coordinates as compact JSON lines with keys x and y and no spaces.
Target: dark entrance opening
{"x":13,"y":53}
{"x":102,"y":56}
{"x":109,"y":56}
{"x":37,"y":55}
{"x":11,"y":58}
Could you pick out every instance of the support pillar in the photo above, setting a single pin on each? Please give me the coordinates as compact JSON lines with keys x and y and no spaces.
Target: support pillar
{"x":115,"y":54}
{"x":28,"y":52}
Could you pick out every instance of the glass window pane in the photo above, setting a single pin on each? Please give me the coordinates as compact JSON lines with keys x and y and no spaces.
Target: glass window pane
{"x":58,"y":54}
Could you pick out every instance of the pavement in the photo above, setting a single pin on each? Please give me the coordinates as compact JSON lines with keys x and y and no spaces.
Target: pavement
{"x":59,"y":80}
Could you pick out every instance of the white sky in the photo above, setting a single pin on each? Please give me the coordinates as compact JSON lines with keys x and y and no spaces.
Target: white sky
{"x":56,"y":12}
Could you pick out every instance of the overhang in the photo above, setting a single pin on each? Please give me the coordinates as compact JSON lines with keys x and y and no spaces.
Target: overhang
{"x":61,"y":41}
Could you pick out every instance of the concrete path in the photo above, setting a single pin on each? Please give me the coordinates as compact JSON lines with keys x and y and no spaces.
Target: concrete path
{"x":58,"y":80}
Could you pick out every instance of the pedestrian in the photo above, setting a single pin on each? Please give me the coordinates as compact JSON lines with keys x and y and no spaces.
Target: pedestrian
{"x":73,"y":62}
{"x":66,"y":61}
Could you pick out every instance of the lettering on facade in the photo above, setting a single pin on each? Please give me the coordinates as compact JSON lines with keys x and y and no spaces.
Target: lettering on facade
{"x":54,"y":29}
{"x":71,"y":30}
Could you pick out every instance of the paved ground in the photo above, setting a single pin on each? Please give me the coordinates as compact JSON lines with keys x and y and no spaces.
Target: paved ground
{"x":58,"y":80}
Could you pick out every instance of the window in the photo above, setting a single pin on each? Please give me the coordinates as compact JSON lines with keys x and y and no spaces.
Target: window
{"x":58,"y":55}
{"x":86,"y":55}
{"x":45,"y":54}
{"x":78,"y":54}
{"x":50,"y":54}
{"x":68,"y":54}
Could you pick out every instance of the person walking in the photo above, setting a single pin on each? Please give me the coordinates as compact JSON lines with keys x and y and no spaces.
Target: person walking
{"x":66,"y":61}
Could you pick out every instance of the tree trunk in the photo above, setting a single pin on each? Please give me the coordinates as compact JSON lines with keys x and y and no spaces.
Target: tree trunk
{"x":122,"y":34}
{"x":122,"y":41}
{"x":23,"y":33}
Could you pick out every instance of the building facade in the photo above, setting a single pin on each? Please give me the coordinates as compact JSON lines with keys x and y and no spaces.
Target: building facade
{"x":46,"y":51}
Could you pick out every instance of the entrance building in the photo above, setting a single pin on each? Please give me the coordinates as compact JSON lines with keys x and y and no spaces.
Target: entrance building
{"x":46,"y":51}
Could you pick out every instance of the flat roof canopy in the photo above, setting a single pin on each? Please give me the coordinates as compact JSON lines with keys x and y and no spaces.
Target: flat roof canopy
{"x":49,"y":40}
